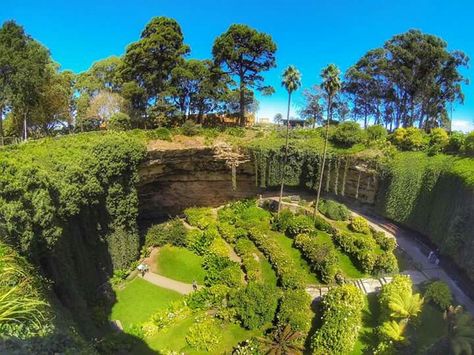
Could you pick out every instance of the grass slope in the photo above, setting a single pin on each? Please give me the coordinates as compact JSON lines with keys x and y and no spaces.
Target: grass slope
{"x":180,"y":264}
{"x":138,"y":300}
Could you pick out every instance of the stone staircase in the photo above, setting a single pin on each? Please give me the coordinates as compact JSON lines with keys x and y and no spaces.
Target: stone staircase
{"x":365,"y":285}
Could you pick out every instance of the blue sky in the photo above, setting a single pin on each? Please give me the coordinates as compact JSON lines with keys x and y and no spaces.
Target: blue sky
{"x":309,"y":34}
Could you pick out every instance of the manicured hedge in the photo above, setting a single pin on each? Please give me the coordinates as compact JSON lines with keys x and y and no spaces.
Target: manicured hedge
{"x":172,"y":232}
{"x":285,"y":268}
{"x":322,"y":256}
{"x":295,"y":310}
{"x":255,"y":304}
{"x":201,"y":217}
{"x":341,"y":321}
{"x":246,"y":250}
{"x":334,"y":210}
{"x":362,"y":248}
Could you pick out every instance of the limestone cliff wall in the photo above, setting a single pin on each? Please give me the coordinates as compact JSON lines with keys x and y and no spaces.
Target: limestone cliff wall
{"x":174,"y":179}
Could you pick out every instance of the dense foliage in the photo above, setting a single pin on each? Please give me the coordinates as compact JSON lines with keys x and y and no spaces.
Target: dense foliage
{"x":434,"y":196}
{"x":439,"y":293}
{"x":341,"y":321}
{"x":255,"y":304}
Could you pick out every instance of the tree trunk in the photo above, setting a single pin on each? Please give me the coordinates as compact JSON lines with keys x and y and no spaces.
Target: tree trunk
{"x":316,"y":203}
{"x":1,"y":126}
{"x":285,"y":161}
{"x":25,"y":127}
{"x":242,"y":102}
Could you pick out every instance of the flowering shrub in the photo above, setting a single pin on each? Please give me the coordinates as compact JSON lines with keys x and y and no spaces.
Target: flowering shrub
{"x":359,"y":225}
{"x":204,"y":335}
{"x":295,"y":310}
{"x":341,"y":321}
{"x":386,"y":243}
{"x":165,"y":318}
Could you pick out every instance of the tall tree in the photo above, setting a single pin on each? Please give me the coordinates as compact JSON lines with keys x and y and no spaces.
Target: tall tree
{"x":411,"y":80}
{"x":278,"y":118}
{"x":291,"y":82}
{"x":150,"y":60}
{"x":23,"y":71}
{"x":245,"y":53}
{"x":313,"y":107}
{"x":331,"y":85}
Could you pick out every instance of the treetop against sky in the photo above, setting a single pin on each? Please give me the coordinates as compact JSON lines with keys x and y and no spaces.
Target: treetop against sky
{"x":308,"y":34}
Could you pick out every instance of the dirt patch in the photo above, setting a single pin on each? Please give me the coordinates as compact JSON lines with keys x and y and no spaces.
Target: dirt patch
{"x":178,"y":142}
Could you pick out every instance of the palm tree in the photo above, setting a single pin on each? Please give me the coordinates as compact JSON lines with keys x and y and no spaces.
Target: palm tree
{"x":283,"y":341}
{"x":460,"y":336}
{"x":394,"y":331}
{"x":291,"y":81}
{"x":405,"y":305}
{"x":331,"y":85}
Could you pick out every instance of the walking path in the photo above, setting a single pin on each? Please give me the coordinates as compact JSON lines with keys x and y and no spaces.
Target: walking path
{"x":366,"y":285}
{"x":170,"y":284}
{"x":407,"y":244}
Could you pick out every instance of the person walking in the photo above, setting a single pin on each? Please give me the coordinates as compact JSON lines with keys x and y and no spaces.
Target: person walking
{"x":195,"y":286}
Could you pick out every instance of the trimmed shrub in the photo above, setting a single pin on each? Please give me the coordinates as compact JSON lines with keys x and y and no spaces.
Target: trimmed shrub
{"x":334,"y":210}
{"x":286,"y":270}
{"x":200,"y":241}
{"x":321,"y":224}
{"x":385,"y":263}
{"x":376,"y":133}
{"x":347,"y":134}
{"x":161,"y":133}
{"x":385,"y":243}
{"x":410,"y":138}
{"x":201,"y":217}
{"x":119,"y":122}
{"x":322,"y":256}
{"x":456,"y":142}
{"x":172,"y":232}
{"x":281,"y":222}
{"x":299,"y":224}
{"x":246,"y":250}
{"x":190,"y":128}
{"x":359,"y":225}
{"x":469,"y":144}
{"x":255,"y":305}
{"x":341,"y":321}
{"x":208,"y":297}
{"x":360,"y":249}
{"x":204,"y":335}
{"x":439,"y":293}
{"x":295,"y":310}
{"x":230,"y":232}
{"x":221,"y":270}
{"x":438,"y":140}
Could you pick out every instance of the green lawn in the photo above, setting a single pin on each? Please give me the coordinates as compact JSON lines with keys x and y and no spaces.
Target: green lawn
{"x":367,"y":337}
{"x":180,"y":264}
{"x":432,"y":327}
{"x":268,"y":274}
{"x":174,"y":338}
{"x":286,"y":244}
{"x":345,"y":262}
{"x":138,"y":300}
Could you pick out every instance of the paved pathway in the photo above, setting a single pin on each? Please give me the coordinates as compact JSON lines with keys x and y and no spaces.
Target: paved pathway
{"x":406,"y":243}
{"x":170,"y":284}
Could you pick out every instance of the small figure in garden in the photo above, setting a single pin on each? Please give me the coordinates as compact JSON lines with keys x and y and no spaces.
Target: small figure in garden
{"x":141,"y":269}
{"x":195,"y":286}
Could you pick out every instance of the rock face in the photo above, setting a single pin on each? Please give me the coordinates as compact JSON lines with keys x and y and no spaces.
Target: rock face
{"x":172,"y":180}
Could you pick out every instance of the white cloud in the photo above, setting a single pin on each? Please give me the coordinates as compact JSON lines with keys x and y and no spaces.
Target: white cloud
{"x":464,"y":125}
